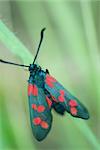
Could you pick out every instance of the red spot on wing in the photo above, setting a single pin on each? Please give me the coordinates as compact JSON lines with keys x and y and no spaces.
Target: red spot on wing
{"x":62,"y":92}
{"x":48,"y":101}
{"x":44,"y":124}
{"x":50,"y":80}
{"x":32,"y":89}
{"x":73,"y":103}
{"x":73,"y":111}
{"x":61,"y":98}
{"x":54,"y":99}
{"x":37,"y":121}
{"x":50,"y":84}
{"x":34,"y":106}
{"x":35,"y":90}
{"x":40,"y":108}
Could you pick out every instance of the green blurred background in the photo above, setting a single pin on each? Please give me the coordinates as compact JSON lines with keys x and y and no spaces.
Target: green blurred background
{"x":70,"y":51}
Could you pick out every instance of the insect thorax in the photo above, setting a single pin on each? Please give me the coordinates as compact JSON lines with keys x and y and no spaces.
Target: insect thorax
{"x":37,"y":75}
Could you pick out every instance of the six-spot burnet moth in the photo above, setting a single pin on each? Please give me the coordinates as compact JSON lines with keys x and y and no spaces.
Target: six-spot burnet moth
{"x":46,"y":93}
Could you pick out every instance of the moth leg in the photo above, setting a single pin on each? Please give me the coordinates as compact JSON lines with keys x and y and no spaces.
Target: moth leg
{"x":47,"y":71}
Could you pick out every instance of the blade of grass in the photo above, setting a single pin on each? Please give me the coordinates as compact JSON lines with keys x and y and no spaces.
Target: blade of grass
{"x":91,"y":37}
{"x":16,"y":47}
{"x":8,"y":139}
{"x":86,"y":131}
{"x":13,"y":43}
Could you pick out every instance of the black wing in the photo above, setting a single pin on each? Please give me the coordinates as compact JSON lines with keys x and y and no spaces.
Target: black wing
{"x":40,"y":113}
{"x":63,"y":97}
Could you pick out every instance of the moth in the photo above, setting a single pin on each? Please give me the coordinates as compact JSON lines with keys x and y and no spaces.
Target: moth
{"x":46,"y":93}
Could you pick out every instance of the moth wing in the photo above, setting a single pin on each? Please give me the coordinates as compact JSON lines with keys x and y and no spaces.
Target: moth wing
{"x":63,"y":97}
{"x":40,"y":114}
{"x":58,"y":108}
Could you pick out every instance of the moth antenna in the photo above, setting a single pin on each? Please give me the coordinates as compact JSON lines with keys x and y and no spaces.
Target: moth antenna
{"x":41,"y":39}
{"x":11,"y":63}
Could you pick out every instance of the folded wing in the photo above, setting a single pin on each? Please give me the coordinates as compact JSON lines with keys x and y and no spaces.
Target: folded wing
{"x":63,"y":97}
{"x":40,"y":113}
